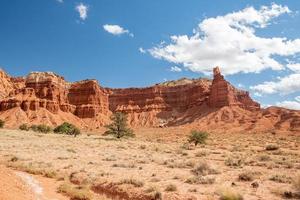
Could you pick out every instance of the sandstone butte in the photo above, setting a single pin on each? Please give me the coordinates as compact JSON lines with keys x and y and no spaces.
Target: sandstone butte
{"x":214,"y":105}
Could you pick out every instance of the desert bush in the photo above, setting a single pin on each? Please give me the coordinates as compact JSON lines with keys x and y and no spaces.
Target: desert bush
{"x":203,"y":169}
{"x":200,"y":180}
{"x":230,"y":194}
{"x":155,"y":193}
{"x":68,"y":129}
{"x":280,"y":178}
{"x":24,"y":127}
{"x":171,"y":188}
{"x":246,"y":176}
{"x":272,"y":147}
{"x":234,"y":161}
{"x":42,"y":128}
{"x":2,"y":122}
{"x":197,"y":137}
{"x":118,"y":128}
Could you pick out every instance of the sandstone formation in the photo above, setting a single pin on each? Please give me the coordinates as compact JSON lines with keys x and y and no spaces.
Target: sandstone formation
{"x":44,"y":97}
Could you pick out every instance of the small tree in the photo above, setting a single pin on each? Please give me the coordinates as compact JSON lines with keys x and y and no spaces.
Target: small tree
{"x":2,"y":122}
{"x":118,"y":127}
{"x":67,"y":128}
{"x":198,"y":137}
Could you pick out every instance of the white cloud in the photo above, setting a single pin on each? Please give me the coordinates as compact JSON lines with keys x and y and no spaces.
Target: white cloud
{"x":175,"y":69}
{"x":82,"y":10}
{"x":230,"y":41}
{"x":116,"y":30}
{"x":294,"y":67}
{"x":295,"y":105}
{"x":142,"y":50}
{"x":285,"y":85}
{"x":297,"y":98}
{"x":60,"y":1}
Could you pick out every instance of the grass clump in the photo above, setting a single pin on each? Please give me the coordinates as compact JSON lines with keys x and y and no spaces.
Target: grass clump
{"x":203,"y":169}
{"x":234,"y":161}
{"x":24,"y":127}
{"x":2,"y":123}
{"x":134,"y":182}
{"x":197,"y":137}
{"x":68,"y":129}
{"x":272,"y":147}
{"x":246,"y":176}
{"x":230,"y":194}
{"x":280,"y":178}
{"x":171,"y":188}
{"x":41,"y":128}
{"x":118,"y":128}
{"x":75,"y":192}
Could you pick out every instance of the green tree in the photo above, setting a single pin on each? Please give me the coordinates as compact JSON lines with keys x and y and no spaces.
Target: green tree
{"x":198,"y":137}
{"x":118,"y":128}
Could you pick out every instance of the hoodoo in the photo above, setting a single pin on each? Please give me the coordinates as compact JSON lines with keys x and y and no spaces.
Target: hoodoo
{"x":44,"y":97}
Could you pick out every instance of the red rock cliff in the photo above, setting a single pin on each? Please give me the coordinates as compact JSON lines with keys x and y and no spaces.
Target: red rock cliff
{"x":222,"y":94}
{"x":44,"y":97}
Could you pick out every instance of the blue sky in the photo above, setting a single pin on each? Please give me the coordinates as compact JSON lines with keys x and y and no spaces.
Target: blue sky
{"x":128,"y":43}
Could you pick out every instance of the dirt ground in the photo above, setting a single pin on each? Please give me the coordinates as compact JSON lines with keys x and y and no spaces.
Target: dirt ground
{"x":158,"y":164}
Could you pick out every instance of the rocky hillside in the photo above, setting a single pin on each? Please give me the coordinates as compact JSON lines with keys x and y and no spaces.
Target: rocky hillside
{"x":44,"y":97}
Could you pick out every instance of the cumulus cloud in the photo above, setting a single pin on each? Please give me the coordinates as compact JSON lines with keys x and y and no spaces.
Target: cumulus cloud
{"x":231,"y":42}
{"x":82,"y":9}
{"x":116,"y":30}
{"x":285,"y":85}
{"x":175,"y":69}
{"x":295,"y":105}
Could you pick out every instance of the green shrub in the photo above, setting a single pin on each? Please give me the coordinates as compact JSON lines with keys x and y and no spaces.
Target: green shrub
{"x":118,"y":127}
{"x":198,"y":137}
{"x":42,"y":128}
{"x":2,"y":122}
{"x":67,"y":128}
{"x":24,"y":127}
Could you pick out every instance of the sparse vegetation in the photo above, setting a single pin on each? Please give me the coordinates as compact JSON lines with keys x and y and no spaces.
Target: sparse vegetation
{"x":2,"y":123}
{"x":230,"y":194}
{"x":203,"y":169}
{"x":197,"y":137}
{"x":75,"y":192}
{"x":68,"y":129}
{"x":131,"y":181}
{"x":272,"y":147}
{"x":42,"y":128}
{"x":171,"y":188}
{"x":118,"y":128}
{"x":280,"y":178}
{"x":24,"y":127}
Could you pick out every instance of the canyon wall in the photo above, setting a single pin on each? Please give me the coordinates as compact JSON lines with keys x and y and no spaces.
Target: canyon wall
{"x":45,"y":97}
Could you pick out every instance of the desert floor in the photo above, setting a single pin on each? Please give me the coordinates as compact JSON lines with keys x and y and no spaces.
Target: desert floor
{"x":157,"y":163}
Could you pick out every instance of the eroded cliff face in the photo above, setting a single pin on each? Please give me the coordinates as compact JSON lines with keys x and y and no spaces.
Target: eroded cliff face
{"x":44,"y":97}
{"x":222,"y":93}
{"x":160,"y":104}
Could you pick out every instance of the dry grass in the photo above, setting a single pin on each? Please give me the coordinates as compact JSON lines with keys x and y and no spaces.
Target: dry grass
{"x":230,"y":194}
{"x":157,"y":158}
{"x":75,"y":192}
